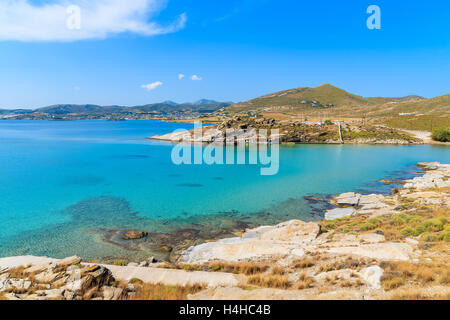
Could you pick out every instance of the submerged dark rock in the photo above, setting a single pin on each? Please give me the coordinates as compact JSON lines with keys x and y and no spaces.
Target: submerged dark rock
{"x":134,"y":235}
{"x":190,"y":185}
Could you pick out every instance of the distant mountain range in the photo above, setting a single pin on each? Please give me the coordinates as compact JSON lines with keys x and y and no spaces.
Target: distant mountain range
{"x":164,"y":108}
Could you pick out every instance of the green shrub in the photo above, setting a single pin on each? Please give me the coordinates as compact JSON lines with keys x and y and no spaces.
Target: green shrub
{"x":329,"y":225}
{"x":408,"y":232}
{"x":444,"y":220}
{"x":441,"y":134}
{"x":136,"y":281}
{"x":419,"y":230}
{"x":445,"y":236}
{"x":402,"y":218}
{"x":371,"y":224}
{"x":433,"y":225}
{"x":399,"y":219}
{"x":121,"y":263}
{"x":429,"y":237}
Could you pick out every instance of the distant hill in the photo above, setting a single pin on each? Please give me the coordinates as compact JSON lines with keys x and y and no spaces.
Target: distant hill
{"x":61,"y":109}
{"x":169,"y":102}
{"x":326,"y":101}
{"x":17,"y":111}
{"x":435,"y":106}
{"x":203,"y":102}
{"x":201,"y":106}
{"x":305,"y":99}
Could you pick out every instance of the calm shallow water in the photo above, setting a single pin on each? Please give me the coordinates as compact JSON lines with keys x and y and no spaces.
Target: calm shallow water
{"x":60,"y":182}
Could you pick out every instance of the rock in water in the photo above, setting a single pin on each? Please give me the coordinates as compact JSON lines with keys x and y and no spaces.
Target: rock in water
{"x":134,"y":235}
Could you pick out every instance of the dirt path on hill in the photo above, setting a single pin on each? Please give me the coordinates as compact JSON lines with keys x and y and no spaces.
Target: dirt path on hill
{"x":422,"y":135}
{"x":425,"y":136}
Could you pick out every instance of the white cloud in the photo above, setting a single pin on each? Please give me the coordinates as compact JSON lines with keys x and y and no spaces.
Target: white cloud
{"x":152,"y":86}
{"x":196,"y":78}
{"x":21,"y":20}
{"x":181,"y":76}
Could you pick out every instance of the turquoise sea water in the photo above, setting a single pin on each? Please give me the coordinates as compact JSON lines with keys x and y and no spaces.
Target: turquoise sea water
{"x":62,"y":182}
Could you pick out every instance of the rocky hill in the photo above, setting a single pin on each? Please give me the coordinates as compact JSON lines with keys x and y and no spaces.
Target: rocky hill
{"x":324,"y":96}
{"x":328,"y":102}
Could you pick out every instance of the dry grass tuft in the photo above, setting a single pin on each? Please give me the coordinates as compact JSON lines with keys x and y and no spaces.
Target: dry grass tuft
{"x":418,"y":294}
{"x":277,"y":281}
{"x":444,"y":277}
{"x":304,"y":282}
{"x":121,"y":263}
{"x":247,"y":268}
{"x":303,"y":264}
{"x":348,"y":263}
{"x":346,"y":284}
{"x":17,"y":273}
{"x":162,"y":292}
{"x":421,"y":274}
{"x":393,"y":283}
{"x":277,"y":270}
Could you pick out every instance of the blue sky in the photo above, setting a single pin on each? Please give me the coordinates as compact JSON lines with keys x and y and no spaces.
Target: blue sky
{"x":240,"y":49}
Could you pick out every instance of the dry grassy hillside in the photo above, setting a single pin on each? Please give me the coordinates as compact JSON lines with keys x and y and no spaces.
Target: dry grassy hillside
{"x":329,"y":102}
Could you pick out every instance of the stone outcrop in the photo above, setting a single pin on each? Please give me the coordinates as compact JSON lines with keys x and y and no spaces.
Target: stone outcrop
{"x":436,"y":176}
{"x":380,"y":251}
{"x":173,"y":277}
{"x":71,"y":279}
{"x":339,"y":213}
{"x":348,"y":199}
{"x":56,"y":280}
{"x":293,"y":239}
{"x":372,"y":276}
{"x":351,"y":204}
{"x":288,"y":238}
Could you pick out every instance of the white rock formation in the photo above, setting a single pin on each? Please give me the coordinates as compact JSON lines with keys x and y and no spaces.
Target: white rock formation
{"x":288,"y":238}
{"x":339,"y":213}
{"x":372,"y":276}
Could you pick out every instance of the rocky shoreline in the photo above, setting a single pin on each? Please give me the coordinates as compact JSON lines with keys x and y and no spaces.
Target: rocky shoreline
{"x":370,"y":247}
{"x":292,"y":132}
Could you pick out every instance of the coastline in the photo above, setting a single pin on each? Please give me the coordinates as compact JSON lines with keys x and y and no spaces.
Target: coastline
{"x":358,"y":229}
{"x":243,"y":130}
